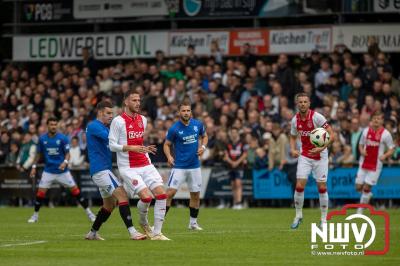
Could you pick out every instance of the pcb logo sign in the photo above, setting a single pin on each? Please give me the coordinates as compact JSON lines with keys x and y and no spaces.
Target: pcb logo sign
{"x":356,"y":233}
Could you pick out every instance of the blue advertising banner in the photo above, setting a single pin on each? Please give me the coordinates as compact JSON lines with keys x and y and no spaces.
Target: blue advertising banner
{"x":275,"y":185}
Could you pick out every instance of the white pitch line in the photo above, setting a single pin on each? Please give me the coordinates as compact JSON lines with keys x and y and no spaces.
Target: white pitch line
{"x":23,"y":244}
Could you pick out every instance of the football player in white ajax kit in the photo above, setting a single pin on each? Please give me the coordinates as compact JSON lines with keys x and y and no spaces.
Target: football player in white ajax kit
{"x":100,"y":158}
{"x":126,"y":138}
{"x":184,"y":136}
{"x":373,"y":143}
{"x":54,"y":147}
{"x":311,"y":159}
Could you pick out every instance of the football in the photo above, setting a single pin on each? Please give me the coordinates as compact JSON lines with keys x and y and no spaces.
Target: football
{"x":319,"y":137}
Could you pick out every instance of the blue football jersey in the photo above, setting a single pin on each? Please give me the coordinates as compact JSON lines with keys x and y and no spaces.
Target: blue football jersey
{"x":186,"y":143}
{"x":53,"y":150}
{"x":100,"y":157}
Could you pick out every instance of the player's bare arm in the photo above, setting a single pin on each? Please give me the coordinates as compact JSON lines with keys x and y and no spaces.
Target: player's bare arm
{"x":204,"y":142}
{"x":167,"y":152}
{"x":140,"y":148}
{"x":317,"y":150}
{"x":293,"y":151}
{"x":387,"y":154}
{"x":362,"y":150}
{"x":65,"y":162}
{"x":35,"y":162}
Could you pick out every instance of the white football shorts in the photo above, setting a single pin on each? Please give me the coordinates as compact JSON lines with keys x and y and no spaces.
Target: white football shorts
{"x":318,"y":168}
{"x":107,"y":182}
{"x":367,"y":176}
{"x":64,"y":179}
{"x":191,"y":176}
{"x":136,"y":179}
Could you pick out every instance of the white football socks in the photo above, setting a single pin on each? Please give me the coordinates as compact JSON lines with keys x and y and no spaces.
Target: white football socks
{"x":159,"y":213}
{"x":323,"y":203}
{"x":298,"y":203}
{"x":143,"y":208}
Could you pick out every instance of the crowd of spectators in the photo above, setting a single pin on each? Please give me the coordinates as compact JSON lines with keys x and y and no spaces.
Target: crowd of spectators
{"x":250,"y":93}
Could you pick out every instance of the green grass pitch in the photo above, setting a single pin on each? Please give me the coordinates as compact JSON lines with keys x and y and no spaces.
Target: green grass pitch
{"x":247,"y":237}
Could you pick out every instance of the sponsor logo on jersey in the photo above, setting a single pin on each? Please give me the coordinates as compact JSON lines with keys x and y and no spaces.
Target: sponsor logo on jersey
{"x":135,"y":134}
{"x":372,"y":143}
{"x":189,"y":139}
{"x":304,"y":133}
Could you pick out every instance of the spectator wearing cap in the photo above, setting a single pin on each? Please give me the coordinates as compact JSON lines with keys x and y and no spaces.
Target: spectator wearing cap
{"x":388,"y":78}
{"x":171,"y":72}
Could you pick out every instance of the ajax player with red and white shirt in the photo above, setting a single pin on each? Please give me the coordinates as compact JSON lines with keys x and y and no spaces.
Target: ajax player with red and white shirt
{"x":311,"y":159}
{"x":374,"y":141}
{"x":138,"y":173}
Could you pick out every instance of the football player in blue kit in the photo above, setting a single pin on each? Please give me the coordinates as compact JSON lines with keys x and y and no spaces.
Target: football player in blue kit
{"x":189,"y":140}
{"x":54,"y":147}
{"x":100,"y":158}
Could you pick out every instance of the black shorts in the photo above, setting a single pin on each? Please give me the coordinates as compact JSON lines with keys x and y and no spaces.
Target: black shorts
{"x":235,"y":174}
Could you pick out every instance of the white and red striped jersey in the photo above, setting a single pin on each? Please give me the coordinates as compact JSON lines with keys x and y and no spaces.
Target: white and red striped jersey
{"x":375,"y":143}
{"x":303,"y":128}
{"x":127,"y":130}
